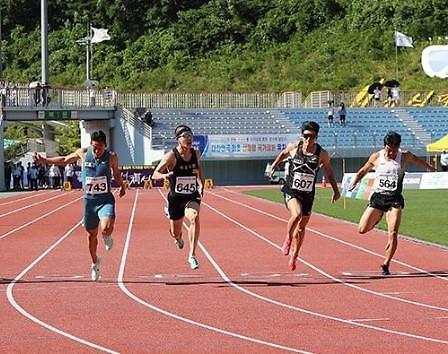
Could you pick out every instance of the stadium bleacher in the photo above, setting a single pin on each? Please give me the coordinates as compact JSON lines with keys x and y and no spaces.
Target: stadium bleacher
{"x":365,"y":126}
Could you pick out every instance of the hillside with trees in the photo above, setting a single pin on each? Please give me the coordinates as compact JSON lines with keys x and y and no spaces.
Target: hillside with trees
{"x":225,"y":45}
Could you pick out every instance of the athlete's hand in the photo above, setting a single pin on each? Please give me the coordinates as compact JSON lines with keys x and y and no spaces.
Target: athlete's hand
{"x":38,"y":158}
{"x":168,"y":175}
{"x":202,"y":191}
{"x":336,"y":195}
{"x":122,"y":191}
{"x":352,"y":186}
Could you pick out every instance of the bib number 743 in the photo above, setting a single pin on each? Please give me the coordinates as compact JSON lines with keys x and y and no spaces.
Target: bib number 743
{"x":96,"y":185}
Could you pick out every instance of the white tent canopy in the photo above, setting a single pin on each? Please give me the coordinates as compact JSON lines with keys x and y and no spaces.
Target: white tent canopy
{"x":435,"y":61}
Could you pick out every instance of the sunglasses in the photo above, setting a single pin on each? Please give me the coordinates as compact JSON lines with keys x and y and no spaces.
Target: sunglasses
{"x":309,"y":136}
{"x":186,"y":135}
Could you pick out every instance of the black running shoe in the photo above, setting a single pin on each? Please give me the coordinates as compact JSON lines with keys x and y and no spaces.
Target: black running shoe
{"x":385,"y":269}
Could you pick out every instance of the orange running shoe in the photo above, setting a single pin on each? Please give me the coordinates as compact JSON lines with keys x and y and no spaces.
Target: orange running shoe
{"x":286,"y":246}
{"x":293,"y":263}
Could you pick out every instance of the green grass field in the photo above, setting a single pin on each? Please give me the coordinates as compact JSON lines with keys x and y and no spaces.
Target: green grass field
{"x":424,"y":216}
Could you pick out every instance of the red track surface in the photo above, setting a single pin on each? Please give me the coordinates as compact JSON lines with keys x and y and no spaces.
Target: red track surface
{"x":243,"y":298}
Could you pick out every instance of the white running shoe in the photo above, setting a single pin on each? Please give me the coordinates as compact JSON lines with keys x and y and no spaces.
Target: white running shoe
{"x":95,"y":269}
{"x":108,"y":242}
{"x":194,"y":264}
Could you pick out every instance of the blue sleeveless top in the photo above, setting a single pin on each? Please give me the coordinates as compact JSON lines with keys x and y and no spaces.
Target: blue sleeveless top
{"x":96,"y":177}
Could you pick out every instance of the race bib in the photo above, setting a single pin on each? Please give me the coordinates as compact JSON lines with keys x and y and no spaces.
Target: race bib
{"x":387,"y":183}
{"x":96,"y":185}
{"x":303,"y":182}
{"x":185,"y":185}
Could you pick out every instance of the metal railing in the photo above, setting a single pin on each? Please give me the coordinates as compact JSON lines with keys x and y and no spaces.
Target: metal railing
{"x":211,"y":100}
{"x":23,"y":96}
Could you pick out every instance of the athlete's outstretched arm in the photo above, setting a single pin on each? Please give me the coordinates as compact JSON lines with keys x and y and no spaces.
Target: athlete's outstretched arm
{"x":165,"y":167}
{"x":116,"y":173}
{"x":60,"y":160}
{"x":411,"y":158}
{"x":325,"y":159}
{"x":364,"y":170}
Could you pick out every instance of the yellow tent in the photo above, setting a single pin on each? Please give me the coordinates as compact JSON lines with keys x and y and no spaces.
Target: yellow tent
{"x":439,"y":145}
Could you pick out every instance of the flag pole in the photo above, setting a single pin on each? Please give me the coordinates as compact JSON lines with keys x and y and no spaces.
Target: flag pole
{"x":91,"y":51}
{"x":396,"y":55}
{"x":87,"y":43}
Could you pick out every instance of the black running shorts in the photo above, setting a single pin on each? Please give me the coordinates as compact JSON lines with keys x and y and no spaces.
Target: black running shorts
{"x":177,"y":204}
{"x":305,"y":200}
{"x":386,"y":202}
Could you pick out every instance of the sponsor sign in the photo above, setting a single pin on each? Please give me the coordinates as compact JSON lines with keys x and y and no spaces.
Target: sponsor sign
{"x":237,"y":146}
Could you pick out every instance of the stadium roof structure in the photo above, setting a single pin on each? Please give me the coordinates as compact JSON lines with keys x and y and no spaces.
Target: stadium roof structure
{"x":439,"y":145}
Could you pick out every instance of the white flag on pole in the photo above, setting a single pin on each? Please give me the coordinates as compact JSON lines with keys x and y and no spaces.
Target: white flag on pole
{"x":99,"y":35}
{"x":401,"y":40}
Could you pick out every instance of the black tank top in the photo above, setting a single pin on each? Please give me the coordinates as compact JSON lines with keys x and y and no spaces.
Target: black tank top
{"x":183,"y":182}
{"x":302,"y":172}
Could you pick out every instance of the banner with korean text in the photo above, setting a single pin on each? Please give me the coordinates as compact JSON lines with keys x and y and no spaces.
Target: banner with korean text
{"x":240,"y":146}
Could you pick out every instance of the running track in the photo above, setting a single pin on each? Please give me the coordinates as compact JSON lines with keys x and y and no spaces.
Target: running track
{"x":243,"y":298}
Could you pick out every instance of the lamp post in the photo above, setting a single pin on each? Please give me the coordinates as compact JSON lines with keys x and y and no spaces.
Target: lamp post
{"x":44,"y":40}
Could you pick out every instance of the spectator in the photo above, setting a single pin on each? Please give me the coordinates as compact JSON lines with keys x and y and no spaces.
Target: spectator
{"x":28,"y":174}
{"x":54,"y":175}
{"x":37,"y":94}
{"x":396,"y":95}
{"x":17,"y":176}
{"x":69,"y":172}
{"x":22,"y":174}
{"x":389,"y":97}
{"x":376,"y":96}
{"x":45,"y":94}
{"x":41,"y":176}
{"x":108,"y":96}
{"x":33,"y":174}
{"x":444,"y":161}
{"x":3,"y":96}
{"x":92,"y":96}
{"x":147,"y":118}
{"x":330,"y":113}
{"x":8,"y":171}
{"x":342,"y":114}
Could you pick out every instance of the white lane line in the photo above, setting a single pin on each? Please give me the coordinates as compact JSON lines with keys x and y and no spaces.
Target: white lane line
{"x":37,"y":219}
{"x":370,"y":319}
{"x":318,"y":270}
{"x":173,"y":315}
{"x":25,"y":198}
{"x":324,"y":235}
{"x":31,"y":205}
{"x":12,"y":301}
{"x":337,"y":279}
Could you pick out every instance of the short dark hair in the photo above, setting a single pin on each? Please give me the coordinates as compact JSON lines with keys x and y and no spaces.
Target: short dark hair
{"x":98,"y":136}
{"x":310,"y":125}
{"x":181,"y":129}
{"x":392,"y":139}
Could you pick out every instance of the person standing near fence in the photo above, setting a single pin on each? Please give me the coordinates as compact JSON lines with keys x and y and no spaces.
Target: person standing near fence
{"x":444,"y":161}
{"x":305,"y":158}
{"x":342,"y":112}
{"x":389,"y":165}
